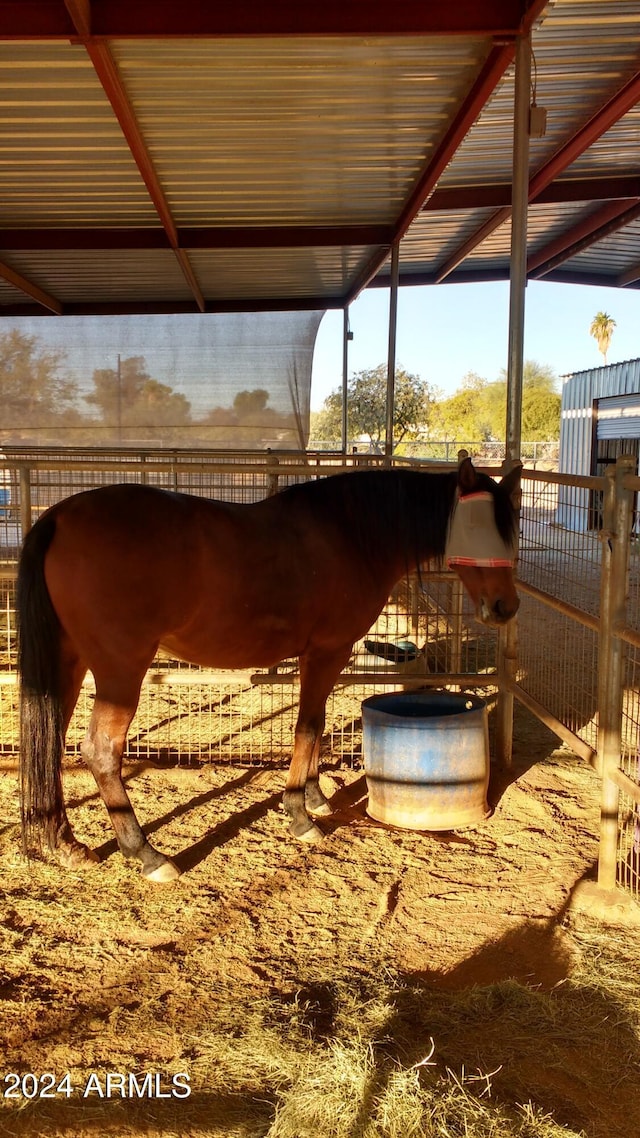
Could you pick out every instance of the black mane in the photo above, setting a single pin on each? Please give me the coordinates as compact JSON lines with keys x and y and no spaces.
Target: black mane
{"x":407,"y":509}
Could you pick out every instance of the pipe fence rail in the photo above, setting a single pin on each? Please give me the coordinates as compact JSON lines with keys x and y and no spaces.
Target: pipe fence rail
{"x":573,"y":659}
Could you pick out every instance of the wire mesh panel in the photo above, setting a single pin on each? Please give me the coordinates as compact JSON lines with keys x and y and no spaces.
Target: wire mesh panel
{"x":425,"y":636}
{"x":560,"y":571}
{"x":561,"y":561}
{"x":629,"y":818}
{"x":628,"y":868}
{"x":426,"y":633}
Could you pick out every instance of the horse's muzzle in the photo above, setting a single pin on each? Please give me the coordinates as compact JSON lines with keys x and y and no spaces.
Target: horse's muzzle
{"x":501,"y":611}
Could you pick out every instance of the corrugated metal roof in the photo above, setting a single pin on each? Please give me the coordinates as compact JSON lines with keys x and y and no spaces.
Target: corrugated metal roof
{"x":260,"y":159}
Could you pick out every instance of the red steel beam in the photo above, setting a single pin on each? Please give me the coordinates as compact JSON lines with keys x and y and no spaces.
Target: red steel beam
{"x":598,"y":124}
{"x":107,"y":72}
{"x":498,"y":60}
{"x":588,"y":239}
{"x":45,"y":19}
{"x":586,"y":232}
{"x":210,"y":237}
{"x":30,"y":289}
{"x":452,"y":198}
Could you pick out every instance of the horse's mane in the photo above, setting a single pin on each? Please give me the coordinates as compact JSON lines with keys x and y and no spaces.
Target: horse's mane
{"x":505,"y":514}
{"x":408,"y":509}
{"x":405,"y":509}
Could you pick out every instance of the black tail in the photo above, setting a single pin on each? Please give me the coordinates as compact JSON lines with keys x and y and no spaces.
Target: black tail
{"x":41,"y":713}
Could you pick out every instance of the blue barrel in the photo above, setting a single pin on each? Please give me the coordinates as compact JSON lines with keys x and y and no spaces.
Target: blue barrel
{"x":426,"y":759}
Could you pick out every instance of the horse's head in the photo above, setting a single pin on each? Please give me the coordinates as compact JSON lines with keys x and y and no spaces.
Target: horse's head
{"x":481,"y":541}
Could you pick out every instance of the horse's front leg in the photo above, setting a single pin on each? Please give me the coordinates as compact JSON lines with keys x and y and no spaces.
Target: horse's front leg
{"x":319,"y":671}
{"x":102,"y":751}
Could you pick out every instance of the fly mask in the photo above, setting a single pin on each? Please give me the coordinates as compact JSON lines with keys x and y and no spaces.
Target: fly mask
{"x":473,"y":537}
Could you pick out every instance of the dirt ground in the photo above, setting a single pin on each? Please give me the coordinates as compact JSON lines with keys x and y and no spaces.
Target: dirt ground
{"x":102,"y":971}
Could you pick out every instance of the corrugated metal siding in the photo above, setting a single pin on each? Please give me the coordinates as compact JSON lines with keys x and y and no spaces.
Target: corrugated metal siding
{"x":544,"y":222}
{"x":264,"y":130}
{"x":619,"y":251}
{"x":618,"y":417}
{"x":292,"y":131}
{"x":90,"y":277}
{"x":244,"y":274}
{"x":576,"y":425}
{"x":434,"y":236}
{"x":584,"y":53}
{"x":63,"y":157}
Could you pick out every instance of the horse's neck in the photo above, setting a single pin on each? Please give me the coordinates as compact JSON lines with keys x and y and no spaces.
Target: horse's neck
{"x":398,"y":539}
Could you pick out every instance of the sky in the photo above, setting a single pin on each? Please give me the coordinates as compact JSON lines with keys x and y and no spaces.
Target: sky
{"x":445,"y":331}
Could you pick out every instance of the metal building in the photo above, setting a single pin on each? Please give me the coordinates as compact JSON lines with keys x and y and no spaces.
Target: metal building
{"x":600,"y":420}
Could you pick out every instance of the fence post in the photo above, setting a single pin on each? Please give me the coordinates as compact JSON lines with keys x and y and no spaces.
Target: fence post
{"x":272,"y":474}
{"x":507,"y":669}
{"x":25,"y":501}
{"x":617,"y":517}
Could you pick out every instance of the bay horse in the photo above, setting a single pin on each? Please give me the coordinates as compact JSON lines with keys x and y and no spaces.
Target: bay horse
{"x":109,"y":576}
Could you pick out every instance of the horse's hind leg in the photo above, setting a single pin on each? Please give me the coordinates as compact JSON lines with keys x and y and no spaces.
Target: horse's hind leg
{"x":68,"y":850}
{"x":102,"y":751}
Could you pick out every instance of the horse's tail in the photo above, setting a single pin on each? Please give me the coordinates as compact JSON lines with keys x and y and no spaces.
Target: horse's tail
{"x":41,"y":712}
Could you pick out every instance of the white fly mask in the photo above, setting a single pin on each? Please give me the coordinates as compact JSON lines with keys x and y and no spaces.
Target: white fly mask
{"x":473,"y":537}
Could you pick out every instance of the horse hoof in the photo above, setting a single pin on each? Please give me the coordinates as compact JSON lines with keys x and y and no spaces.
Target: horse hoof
{"x":76,"y":856}
{"x":312,"y":835}
{"x":323,"y":810}
{"x":166,"y":871}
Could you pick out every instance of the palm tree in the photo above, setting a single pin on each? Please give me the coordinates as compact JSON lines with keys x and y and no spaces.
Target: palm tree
{"x":601,"y":329}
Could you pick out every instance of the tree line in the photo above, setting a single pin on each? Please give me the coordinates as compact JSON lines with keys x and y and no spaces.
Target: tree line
{"x":126,"y":404}
{"x":476,"y":411}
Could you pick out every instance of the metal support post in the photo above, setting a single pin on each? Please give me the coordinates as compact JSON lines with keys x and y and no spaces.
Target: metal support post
{"x":508,"y":635}
{"x":518,"y":274}
{"x":391,"y":359}
{"x":26,"y":513}
{"x":344,"y":436}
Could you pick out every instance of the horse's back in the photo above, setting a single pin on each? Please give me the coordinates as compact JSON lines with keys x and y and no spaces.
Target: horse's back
{"x":217,"y":583}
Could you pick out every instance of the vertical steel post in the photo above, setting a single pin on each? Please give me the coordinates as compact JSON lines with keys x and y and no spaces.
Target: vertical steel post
{"x":345,"y":379}
{"x":272,"y":474}
{"x":508,"y":634}
{"x":456,"y":594}
{"x":518,"y":273}
{"x":391,"y":358}
{"x":26,"y":514}
{"x":617,"y":520}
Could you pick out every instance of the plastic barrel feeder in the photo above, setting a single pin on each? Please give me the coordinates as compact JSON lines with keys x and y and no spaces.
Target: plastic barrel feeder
{"x":426,"y":759}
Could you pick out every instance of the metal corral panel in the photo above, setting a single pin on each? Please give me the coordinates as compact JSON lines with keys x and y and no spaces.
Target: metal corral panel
{"x":63,"y":156}
{"x":296,"y":130}
{"x":576,"y":426}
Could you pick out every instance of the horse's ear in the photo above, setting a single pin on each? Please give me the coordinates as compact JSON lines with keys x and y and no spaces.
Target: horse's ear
{"x":511,"y":481}
{"x":468,"y":480}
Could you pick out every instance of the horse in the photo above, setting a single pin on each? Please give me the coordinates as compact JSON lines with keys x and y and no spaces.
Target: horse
{"x":109,"y":576}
